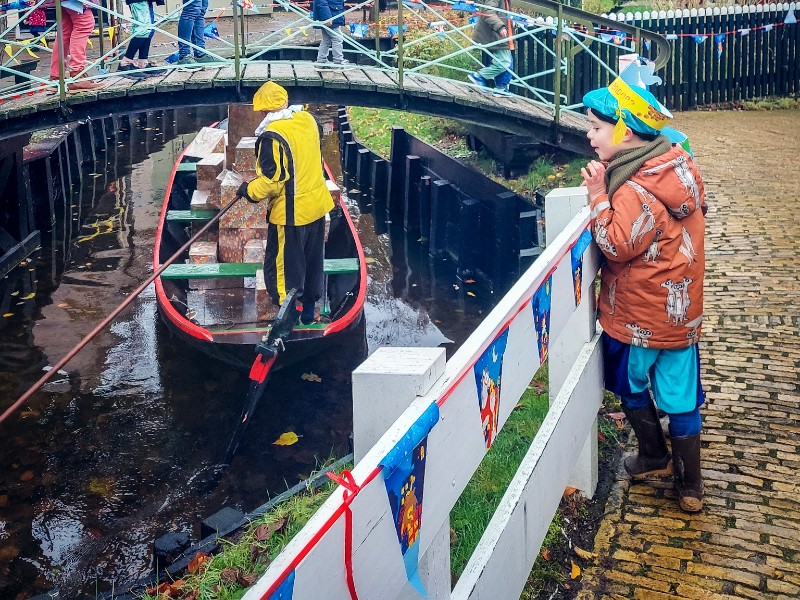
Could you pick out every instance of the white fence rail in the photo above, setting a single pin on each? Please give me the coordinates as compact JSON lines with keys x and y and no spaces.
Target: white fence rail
{"x":385,"y":532}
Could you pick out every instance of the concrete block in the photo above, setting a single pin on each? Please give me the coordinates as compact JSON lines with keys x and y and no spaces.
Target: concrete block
{"x":208,"y":169}
{"x":254,"y":251}
{"x":201,"y":200}
{"x":245,"y":159}
{"x":232,"y":241}
{"x":229,"y":185}
{"x":207,"y":141}
{"x":245,"y":215}
{"x":242,"y":122}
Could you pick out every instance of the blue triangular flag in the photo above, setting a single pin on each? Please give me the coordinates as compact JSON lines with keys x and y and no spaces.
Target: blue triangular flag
{"x":719,"y":42}
{"x":790,"y":18}
{"x":699,"y":39}
{"x":211,"y":31}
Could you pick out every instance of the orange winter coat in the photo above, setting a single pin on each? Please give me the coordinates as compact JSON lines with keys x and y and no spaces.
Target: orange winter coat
{"x":652,"y":236}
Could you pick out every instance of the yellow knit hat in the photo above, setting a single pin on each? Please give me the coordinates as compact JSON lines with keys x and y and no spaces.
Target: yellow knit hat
{"x":270,"y":96}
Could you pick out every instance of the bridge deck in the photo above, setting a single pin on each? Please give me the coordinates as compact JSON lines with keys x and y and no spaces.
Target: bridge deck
{"x":421,"y":93}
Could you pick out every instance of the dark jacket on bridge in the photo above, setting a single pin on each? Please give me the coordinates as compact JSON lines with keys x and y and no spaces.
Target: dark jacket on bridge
{"x":490,"y":22}
{"x":325,"y":10}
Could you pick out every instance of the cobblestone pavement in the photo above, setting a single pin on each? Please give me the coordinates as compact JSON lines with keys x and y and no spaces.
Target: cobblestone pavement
{"x":746,"y":542}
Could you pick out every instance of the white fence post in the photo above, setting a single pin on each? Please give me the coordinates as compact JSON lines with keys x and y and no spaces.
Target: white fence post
{"x":384,"y":386}
{"x":561,"y":205}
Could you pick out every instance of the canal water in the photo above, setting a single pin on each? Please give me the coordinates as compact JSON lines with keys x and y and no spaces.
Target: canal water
{"x":113,"y":452}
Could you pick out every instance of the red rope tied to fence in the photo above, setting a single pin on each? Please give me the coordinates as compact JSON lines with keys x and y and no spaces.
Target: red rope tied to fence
{"x":351,"y":488}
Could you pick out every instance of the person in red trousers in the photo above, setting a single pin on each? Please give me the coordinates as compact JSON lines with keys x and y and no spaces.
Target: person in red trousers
{"x":77,"y":24}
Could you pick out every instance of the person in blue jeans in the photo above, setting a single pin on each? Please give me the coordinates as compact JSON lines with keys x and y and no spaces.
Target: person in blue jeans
{"x":191,"y":28}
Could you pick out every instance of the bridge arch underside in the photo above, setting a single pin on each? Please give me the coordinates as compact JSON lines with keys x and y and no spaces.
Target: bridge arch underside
{"x":513,"y":115}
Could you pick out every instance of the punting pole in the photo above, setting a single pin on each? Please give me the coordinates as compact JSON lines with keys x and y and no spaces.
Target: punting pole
{"x":123,"y":305}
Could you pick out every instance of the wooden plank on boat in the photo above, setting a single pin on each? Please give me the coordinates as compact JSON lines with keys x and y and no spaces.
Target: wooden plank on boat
{"x":256,"y":73}
{"x":191,"y":216}
{"x":307,"y":75}
{"x":283,"y":74}
{"x":175,"y":80}
{"x":358,"y":80}
{"x":338,"y":266}
{"x":202,"y":79}
{"x":211,"y":270}
{"x":187,"y":167}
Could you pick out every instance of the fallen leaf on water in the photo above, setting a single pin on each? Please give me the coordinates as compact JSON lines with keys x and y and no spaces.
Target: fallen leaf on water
{"x":26,"y":476}
{"x":469,"y":281}
{"x":8,"y":315}
{"x":29,"y":296}
{"x":286,"y":439}
{"x":369,"y":260}
{"x":584,"y":554}
{"x":471,"y":294}
{"x":545,"y":553}
{"x":197,"y":564}
{"x":311,"y":377}
{"x":575,"y":572}
{"x":16,"y":293}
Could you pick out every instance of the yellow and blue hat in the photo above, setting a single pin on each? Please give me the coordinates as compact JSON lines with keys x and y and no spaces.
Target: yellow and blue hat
{"x":631,"y":105}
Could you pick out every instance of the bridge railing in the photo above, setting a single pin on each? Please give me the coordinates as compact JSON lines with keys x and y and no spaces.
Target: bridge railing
{"x":420,"y":38}
{"x":423,"y":425}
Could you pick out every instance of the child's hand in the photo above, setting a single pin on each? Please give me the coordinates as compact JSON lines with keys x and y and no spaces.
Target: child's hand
{"x":594,"y":178}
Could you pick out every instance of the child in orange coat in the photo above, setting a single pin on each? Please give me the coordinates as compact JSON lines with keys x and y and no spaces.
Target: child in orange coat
{"x":647,"y":209}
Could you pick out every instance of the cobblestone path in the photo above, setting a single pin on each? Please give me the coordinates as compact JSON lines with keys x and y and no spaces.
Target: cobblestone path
{"x":746,"y":542}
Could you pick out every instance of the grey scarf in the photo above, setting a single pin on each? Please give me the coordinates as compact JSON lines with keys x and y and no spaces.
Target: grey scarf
{"x":623,"y":166}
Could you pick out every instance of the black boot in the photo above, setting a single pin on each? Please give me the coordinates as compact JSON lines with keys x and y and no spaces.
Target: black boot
{"x":653,"y":459}
{"x":688,"y":479}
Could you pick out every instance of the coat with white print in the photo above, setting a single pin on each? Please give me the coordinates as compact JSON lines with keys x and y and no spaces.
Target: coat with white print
{"x":652,"y":236}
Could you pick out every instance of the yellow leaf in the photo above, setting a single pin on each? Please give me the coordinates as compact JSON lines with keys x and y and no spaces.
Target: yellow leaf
{"x":576,"y":571}
{"x":471,"y":294}
{"x":8,"y":315}
{"x":311,"y":377}
{"x":469,"y":281}
{"x":29,"y":296}
{"x":286,"y":439}
{"x":584,"y":554}
{"x":369,"y":260}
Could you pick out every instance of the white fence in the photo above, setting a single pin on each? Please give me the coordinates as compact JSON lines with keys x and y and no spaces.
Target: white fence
{"x":384,"y":533}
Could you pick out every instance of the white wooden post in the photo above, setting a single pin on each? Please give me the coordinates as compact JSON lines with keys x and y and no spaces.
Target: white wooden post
{"x":384,"y":386}
{"x":561,"y":205}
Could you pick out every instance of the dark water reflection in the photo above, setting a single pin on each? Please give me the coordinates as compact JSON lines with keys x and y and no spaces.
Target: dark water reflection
{"x":114,"y":451}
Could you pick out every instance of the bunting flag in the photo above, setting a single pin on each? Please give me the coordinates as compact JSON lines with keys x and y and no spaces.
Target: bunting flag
{"x":393,"y":30}
{"x":719,"y":42}
{"x":488,"y":370}
{"x":698,"y":38}
{"x":211,"y":31}
{"x":359,"y":30}
{"x":618,"y":37}
{"x":790,"y":18}
{"x":404,"y":477}
{"x":11,"y":54}
{"x":465,"y":6}
{"x":671,"y":36}
{"x":576,"y":253}
{"x":285,"y":590}
{"x":646,"y":44}
{"x":540,"y":303}
{"x":472,"y":20}
{"x":769,"y":27}
{"x":744,"y":32}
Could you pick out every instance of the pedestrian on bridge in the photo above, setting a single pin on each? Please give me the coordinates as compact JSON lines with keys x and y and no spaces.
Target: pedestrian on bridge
{"x":143,"y":16}
{"x":191,"y":29}
{"x":648,"y":219}
{"x":289,"y":176}
{"x":331,"y":13}
{"x":492,"y":31}
{"x":77,"y":24}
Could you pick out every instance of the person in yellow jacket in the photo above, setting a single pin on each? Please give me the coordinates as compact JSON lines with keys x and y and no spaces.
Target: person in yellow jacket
{"x":289,"y":176}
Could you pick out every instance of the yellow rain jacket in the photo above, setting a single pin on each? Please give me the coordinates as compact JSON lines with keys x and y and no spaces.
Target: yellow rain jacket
{"x":289,"y":170}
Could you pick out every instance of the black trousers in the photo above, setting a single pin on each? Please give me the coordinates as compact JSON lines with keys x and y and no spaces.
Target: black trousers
{"x":294,"y":259}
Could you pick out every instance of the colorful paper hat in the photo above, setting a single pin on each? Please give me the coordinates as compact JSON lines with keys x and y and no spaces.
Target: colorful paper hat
{"x":632,"y":106}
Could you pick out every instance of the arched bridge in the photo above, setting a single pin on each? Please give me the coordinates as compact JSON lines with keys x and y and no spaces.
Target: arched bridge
{"x":420,"y":63}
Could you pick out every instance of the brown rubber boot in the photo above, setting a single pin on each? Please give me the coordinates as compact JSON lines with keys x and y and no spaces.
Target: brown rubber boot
{"x":688,"y":478}
{"x":653,"y":459}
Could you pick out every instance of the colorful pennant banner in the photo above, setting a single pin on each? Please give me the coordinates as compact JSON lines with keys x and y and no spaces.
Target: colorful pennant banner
{"x":576,"y":253}
{"x":488,"y":370}
{"x":404,"y":477}
{"x":540,"y":304}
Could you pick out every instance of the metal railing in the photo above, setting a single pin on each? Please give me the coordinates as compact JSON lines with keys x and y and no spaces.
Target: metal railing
{"x":421,"y":37}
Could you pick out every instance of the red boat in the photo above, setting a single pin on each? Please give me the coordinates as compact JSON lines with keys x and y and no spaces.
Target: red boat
{"x":224,"y":323}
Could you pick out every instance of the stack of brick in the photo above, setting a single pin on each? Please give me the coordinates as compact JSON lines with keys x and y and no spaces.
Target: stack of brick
{"x":242,"y":123}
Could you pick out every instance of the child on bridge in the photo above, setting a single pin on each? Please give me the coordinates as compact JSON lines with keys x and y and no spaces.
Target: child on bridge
{"x":647,"y":217}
